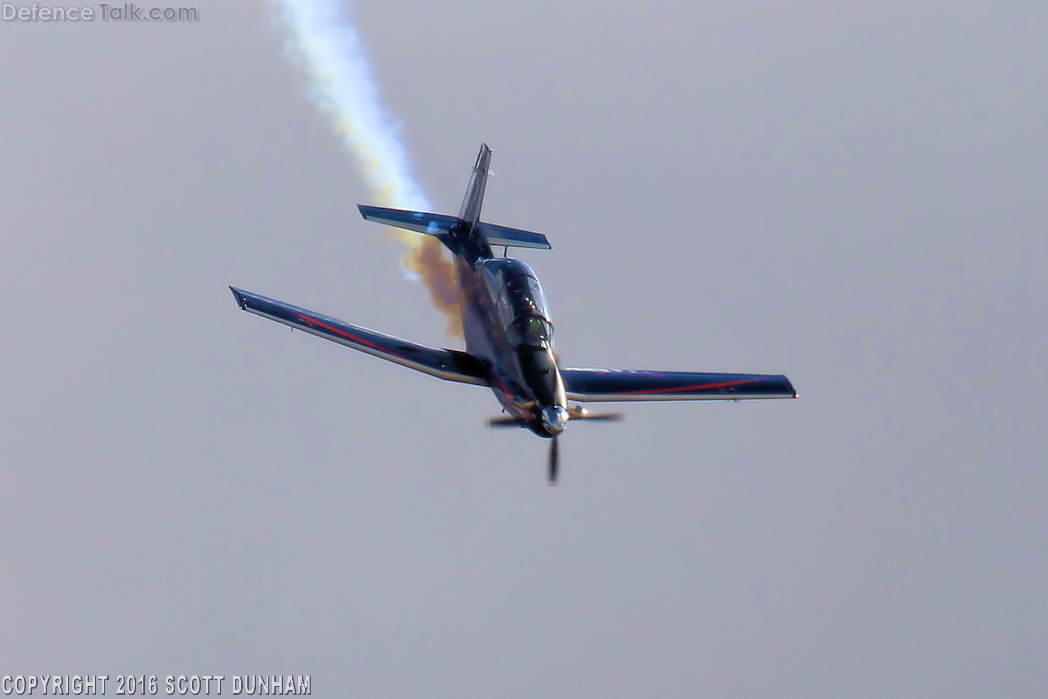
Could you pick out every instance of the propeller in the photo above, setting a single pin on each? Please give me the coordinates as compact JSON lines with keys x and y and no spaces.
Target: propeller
{"x":605,"y":417}
{"x":578,"y":412}
{"x":506,"y":421}
{"x":554,"y":461}
{"x":573,"y":413}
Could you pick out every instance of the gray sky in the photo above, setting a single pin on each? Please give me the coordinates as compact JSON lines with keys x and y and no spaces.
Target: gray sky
{"x":853,"y":194}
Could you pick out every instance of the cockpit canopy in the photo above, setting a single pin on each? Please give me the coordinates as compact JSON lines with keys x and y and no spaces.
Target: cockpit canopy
{"x":533,"y":331}
{"x":525,"y":297}
{"x":521,"y":303}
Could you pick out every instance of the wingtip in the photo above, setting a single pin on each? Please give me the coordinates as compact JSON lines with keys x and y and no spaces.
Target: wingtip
{"x":239,"y":296}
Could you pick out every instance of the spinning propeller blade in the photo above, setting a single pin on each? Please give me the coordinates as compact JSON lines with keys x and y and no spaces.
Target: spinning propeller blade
{"x":606,"y":417}
{"x":506,"y":421}
{"x":554,"y":461}
{"x":579,"y":412}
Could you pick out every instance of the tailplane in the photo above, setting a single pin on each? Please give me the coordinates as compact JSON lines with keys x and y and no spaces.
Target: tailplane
{"x":454,"y":231}
{"x":418,"y":221}
{"x":503,"y":237}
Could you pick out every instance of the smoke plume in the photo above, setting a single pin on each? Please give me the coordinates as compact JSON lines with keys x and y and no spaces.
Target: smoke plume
{"x":328,"y":47}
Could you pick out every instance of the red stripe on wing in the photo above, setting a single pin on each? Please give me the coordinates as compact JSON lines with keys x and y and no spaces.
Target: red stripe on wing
{"x":683,"y":389}
{"x":342,"y":333}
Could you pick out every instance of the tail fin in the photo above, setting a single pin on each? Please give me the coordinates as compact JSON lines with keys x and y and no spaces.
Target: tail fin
{"x":482,"y":232}
{"x":474,"y":199}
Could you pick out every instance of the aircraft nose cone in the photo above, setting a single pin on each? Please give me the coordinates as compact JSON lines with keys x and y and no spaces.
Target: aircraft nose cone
{"x":554,"y":419}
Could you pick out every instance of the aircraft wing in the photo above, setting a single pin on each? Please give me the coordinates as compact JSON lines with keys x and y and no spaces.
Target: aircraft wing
{"x":451,"y":365}
{"x":615,"y":385}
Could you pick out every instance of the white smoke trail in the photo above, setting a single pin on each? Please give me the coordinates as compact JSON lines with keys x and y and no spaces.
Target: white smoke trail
{"x":329,"y":48}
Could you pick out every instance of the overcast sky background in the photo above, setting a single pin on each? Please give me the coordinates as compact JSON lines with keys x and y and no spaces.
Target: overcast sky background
{"x":853,"y":194}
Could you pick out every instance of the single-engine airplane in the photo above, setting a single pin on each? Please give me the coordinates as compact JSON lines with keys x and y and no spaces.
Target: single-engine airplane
{"x":508,"y":334}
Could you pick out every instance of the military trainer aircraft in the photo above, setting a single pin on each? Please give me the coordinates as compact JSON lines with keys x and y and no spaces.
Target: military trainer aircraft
{"x":508,"y":334}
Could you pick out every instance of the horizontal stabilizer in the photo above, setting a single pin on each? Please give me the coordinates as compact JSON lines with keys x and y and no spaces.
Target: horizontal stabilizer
{"x":450,"y":365}
{"x":417,"y":221}
{"x":617,"y":385}
{"x":501,"y":236}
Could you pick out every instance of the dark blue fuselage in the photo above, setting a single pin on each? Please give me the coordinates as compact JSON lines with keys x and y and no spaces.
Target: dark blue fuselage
{"x":506,"y":322}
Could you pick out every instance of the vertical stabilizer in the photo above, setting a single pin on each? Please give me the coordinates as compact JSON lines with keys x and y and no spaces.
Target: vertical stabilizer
{"x":478,"y":180}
